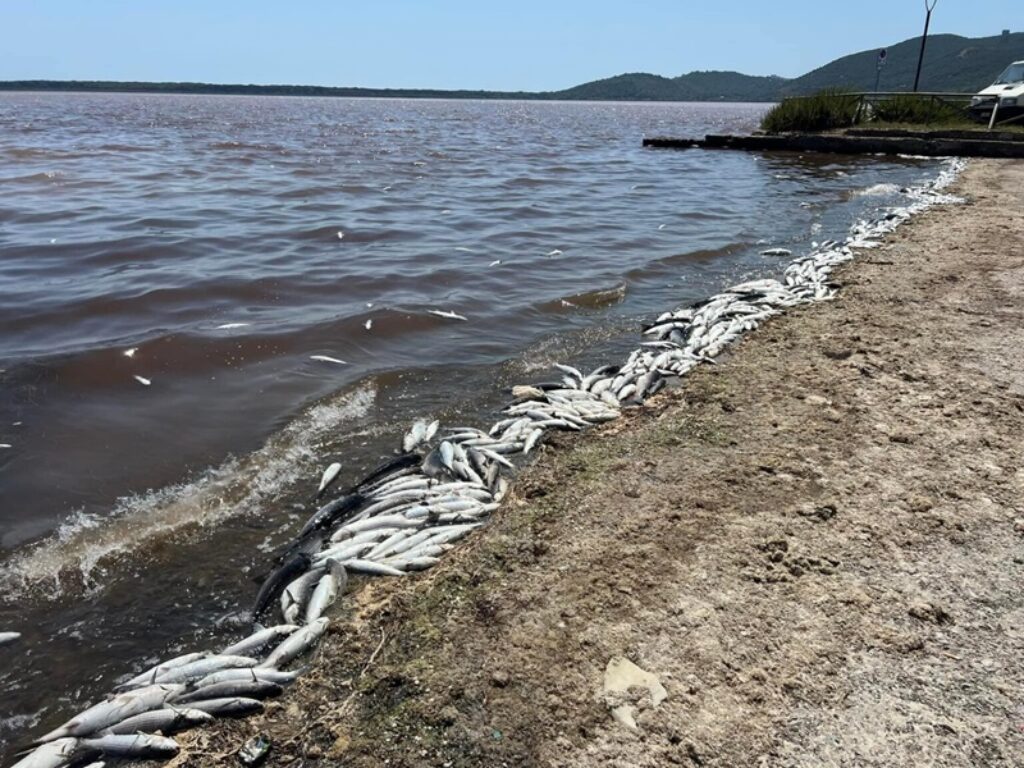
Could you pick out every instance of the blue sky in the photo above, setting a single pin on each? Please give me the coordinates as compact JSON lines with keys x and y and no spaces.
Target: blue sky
{"x":521,"y":44}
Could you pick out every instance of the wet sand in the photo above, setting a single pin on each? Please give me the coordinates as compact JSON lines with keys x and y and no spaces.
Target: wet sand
{"x":817,"y":546}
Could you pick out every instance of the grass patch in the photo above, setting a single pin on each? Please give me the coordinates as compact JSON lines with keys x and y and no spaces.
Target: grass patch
{"x":835,"y":109}
{"x":825,"y":111}
{"x":907,"y":108}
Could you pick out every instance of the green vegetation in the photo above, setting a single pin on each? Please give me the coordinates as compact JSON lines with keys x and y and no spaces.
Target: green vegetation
{"x":825,"y":111}
{"x":951,"y":64}
{"x":916,"y":110}
{"x":834,"y":109}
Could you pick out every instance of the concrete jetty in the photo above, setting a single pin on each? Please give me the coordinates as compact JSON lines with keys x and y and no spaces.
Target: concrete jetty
{"x":904,"y":143}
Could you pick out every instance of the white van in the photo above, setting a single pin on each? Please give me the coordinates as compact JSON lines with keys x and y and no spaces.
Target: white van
{"x":1008,"y":90}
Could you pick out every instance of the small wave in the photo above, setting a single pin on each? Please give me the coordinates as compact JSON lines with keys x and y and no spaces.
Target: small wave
{"x":246,"y":145}
{"x":34,"y":178}
{"x":597,"y":299}
{"x":75,"y":556}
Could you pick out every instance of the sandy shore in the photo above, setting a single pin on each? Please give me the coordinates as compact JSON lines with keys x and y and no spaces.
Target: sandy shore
{"x":817,"y":547}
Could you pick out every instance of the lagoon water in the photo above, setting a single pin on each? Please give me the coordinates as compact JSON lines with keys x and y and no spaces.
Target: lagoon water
{"x":228,"y":239}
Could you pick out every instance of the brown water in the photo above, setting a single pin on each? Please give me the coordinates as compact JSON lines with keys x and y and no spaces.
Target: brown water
{"x":133,"y":518}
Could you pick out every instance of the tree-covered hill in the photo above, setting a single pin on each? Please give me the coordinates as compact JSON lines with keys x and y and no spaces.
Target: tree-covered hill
{"x":951,"y":63}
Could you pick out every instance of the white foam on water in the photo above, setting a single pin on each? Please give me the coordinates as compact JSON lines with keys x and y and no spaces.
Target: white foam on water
{"x":878,"y":190}
{"x":76,"y":554}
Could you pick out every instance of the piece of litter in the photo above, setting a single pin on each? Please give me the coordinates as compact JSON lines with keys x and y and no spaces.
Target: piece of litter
{"x":254,"y":751}
{"x":142,"y":380}
{"x":341,"y":235}
{"x":326,"y":359}
{"x":620,"y":675}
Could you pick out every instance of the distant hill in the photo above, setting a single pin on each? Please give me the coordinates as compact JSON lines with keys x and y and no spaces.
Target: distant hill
{"x":695,"y":86}
{"x":951,"y":63}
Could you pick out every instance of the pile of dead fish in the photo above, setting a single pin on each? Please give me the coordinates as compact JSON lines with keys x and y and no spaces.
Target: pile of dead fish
{"x":406,"y":514}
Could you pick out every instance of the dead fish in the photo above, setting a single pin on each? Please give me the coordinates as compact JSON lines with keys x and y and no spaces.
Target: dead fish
{"x":777,"y":252}
{"x":130,"y":352}
{"x":296,"y":644}
{"x":140,"y":745}
{"x":447,"y":453}
{"x":151,"y":674}
{"x":368,"y":324}
{"x":415,"y":437}
{"x":266,"y":674}
{"x":375,"y":569}
{"x":272,"y":586}
{"x":114,"y":710}
{"x":230,"y":707}
{"x":9,"y":637}
{"x":258,"y":640}
{"x":327,"y":359}
{"x":142,"y":380}
{"x":54,"y":754}
{"x":249,"y":689}
{"x":330,"y":513}
{"x":167,"y":720}
{"x":445,"y":314}
{"x":331,"y":584}
{"x":296,"y":594}
{"x":203,"y":667}
{"x":525,"y":392}
{"x":229,"y":326}
{"x":327,"y":479}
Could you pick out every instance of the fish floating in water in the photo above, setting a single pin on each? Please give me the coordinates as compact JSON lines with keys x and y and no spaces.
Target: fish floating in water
{"x":368,"y":324}
{"x":776,"y":252}
{"x":327,"y":479}
{"x":130,"y":352}
{"x":229,"y":326}
{"x":8,"y":637}
{"x":445,"y":314}
{"x":327,"y":359}
{"x":142,"y":380}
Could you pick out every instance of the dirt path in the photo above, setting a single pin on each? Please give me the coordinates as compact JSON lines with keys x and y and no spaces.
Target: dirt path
{"x":817,"y":546}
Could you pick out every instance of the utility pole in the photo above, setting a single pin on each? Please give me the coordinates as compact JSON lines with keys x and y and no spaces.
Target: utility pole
{"x":929,"y":7}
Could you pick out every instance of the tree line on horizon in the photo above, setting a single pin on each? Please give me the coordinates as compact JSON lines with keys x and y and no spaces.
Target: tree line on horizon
{"x":952,"y":64}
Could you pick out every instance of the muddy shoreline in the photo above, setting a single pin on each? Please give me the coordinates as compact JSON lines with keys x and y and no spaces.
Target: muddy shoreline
{"x":816,"y":546}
